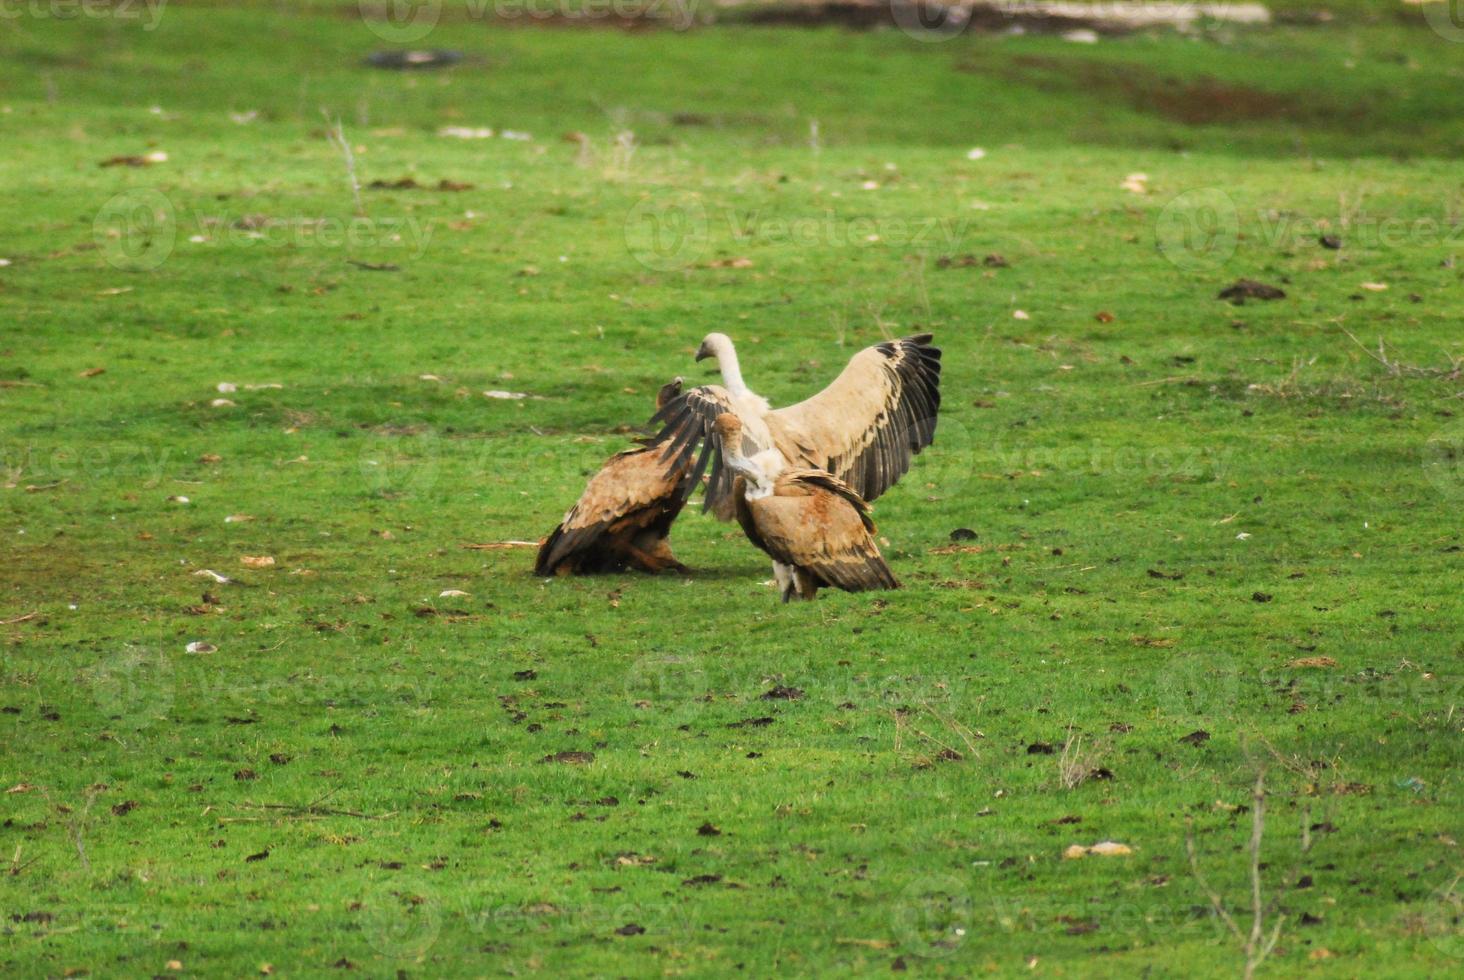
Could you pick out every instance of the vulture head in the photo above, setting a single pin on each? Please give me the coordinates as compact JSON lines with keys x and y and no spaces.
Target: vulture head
{"x":728,"y":428}
{"x":714,"y":345}
{"x":719,"y":345}
{"x":668,"y":391}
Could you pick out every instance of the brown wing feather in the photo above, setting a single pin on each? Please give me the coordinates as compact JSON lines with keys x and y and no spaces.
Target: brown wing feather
{"x":629,"y":482}
{"x":686,"y":422}
{"x":817,"y":523}
{"x":875,"y":416}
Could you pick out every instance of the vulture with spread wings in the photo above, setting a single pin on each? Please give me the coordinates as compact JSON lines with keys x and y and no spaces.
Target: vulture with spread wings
{"x":812,"y":524}
{"x":624,"y":516}
{"x":863,"y":428}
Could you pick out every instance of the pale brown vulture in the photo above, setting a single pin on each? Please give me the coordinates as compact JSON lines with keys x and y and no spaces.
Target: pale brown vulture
{"x":863,"y":428}
{"x":624,"y":516}
{"x":815,"y":527}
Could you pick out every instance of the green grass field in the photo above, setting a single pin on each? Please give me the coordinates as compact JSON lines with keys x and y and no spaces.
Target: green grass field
{"x":1189,"y":516}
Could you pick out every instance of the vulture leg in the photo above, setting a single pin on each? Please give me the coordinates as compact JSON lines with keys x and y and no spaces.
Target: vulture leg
{"x":807,"y":583}
{"x":651,"y":553}
{"x":640,"y":559}
{"x":784,"y":576}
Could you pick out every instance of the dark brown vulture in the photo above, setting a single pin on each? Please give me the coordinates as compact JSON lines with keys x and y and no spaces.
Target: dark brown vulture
{"x":815,"y":527}
{"x":625,"y":514}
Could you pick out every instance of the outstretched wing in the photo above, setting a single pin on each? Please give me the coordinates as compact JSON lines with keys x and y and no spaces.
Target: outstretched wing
{"x":817,"y":522}
{"x":686,"y":423}
{"x":876,"y":415}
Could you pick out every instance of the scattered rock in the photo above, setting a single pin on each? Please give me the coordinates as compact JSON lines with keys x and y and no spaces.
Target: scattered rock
{"x":143,"y":160}
{"x":1244,"y":289}
{"x":1105,"y":848}
{"x":413,"y":60}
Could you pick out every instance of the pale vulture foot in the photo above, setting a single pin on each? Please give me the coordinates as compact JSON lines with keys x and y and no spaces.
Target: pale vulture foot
{"x":785,"y":577}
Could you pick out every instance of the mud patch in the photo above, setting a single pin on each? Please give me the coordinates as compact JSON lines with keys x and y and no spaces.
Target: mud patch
{"x":646,"y":15}
{"x":990,"y":16}
{"x":1199,"y":101}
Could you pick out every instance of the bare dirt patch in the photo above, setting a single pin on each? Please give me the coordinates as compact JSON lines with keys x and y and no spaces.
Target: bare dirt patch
{"x":1198,"y":101}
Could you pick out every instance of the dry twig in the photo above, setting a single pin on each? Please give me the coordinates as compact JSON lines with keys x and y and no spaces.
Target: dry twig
{"x":337,"y":135}
{"x":1256,"y":943}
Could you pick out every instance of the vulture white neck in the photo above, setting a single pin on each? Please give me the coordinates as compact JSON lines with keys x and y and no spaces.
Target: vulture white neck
{"x":726,"y":356}
{"x":759,"y":479}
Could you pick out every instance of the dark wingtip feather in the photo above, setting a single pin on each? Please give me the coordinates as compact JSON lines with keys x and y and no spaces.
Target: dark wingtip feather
{"x":542,"y":563}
